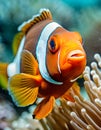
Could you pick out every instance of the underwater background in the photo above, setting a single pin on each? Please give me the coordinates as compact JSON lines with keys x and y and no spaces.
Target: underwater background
{"x":83,"y":16}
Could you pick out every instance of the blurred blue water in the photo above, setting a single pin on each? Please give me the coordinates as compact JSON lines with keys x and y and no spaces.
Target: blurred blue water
{"x":82,"y":3}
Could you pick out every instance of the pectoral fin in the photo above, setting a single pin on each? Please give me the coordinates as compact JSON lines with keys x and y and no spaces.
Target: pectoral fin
{"x":44,"y":108}
{"x":24,"y":88}
{"x":29,"y":63}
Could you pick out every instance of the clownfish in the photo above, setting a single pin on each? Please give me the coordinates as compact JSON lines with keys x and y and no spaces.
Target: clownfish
{"x":48,"y":60}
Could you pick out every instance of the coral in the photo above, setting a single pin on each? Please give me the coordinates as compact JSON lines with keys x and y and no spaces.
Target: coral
{"x":7,"y":113}
{"x":26,"y":122}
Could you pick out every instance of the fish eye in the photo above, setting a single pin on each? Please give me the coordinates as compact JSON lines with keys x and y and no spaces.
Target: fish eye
{"x":52,"y":46}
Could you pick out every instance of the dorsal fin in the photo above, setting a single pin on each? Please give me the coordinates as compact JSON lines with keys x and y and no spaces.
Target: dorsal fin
{"x":16,"y":42}
{"x":44,"y":14}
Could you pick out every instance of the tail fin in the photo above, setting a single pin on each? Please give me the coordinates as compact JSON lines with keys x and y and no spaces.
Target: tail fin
{"x":3,"y":75}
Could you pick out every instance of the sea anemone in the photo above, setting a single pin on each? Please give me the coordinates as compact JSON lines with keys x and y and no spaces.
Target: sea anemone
{"x":82,"y":114}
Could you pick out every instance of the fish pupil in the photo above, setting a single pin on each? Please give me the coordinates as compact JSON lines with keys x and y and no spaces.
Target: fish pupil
{"x":52,"y":44}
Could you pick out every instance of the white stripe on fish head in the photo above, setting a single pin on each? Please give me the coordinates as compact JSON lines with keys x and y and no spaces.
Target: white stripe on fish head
{"x":41,"y":51}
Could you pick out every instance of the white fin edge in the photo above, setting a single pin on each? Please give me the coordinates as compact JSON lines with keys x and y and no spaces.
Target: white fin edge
{"x":26,"y":22}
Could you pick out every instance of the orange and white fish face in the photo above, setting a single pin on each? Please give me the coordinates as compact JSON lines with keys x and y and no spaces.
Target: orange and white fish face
{"x":66,"y":58}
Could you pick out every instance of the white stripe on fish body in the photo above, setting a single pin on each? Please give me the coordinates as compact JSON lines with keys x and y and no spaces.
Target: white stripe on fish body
{"x":41,"y":51}
{"x":14,"y":67}
{"x":58,"y":63}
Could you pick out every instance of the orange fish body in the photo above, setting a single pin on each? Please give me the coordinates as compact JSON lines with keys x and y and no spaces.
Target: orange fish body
{"x":48,"y":61}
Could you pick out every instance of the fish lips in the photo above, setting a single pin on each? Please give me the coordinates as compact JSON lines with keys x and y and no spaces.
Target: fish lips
{"x":76,"y":56}
{"x":75,"y":60}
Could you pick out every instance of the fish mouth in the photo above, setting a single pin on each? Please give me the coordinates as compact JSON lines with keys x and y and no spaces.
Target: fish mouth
{"x":72,"y":58}
{"x":76,"y":55}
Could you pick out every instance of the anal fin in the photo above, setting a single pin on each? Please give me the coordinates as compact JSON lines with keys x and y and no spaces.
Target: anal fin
{"x":44,"y":107}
